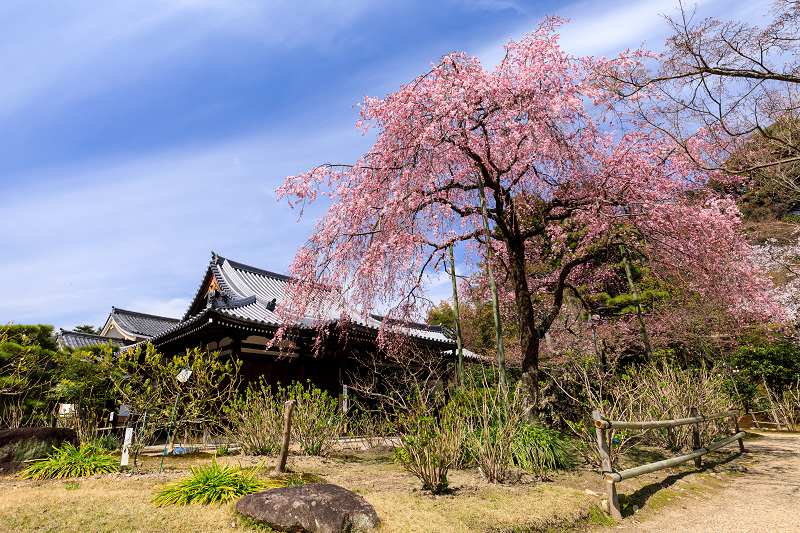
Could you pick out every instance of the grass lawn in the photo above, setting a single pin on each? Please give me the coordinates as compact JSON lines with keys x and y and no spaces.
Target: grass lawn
{"x":118,"y":502}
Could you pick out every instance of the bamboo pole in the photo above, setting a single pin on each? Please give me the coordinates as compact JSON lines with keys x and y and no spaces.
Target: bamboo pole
{"x":458,"y":319}
{"x":616,"y":477}
{"x":498,"y":328}
{"x":600,"y":361}
{"x":622,"y":424}
{"x":635,"y":294}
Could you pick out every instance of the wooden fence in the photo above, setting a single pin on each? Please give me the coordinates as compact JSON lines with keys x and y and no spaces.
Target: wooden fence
{"x":612,"y":477}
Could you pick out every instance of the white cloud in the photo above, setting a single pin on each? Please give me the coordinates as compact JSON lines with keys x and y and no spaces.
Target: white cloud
{"x":608,"y":28}
{"x":75,"y":51}
{"x":138,"y":233}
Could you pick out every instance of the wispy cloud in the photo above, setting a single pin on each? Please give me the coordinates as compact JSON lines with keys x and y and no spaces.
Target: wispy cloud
{"x":73,"y":51}
{"x":131,"y":231}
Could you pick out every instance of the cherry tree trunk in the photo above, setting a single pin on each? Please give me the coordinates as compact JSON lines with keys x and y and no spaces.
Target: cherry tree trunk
{"x":529,"y":336}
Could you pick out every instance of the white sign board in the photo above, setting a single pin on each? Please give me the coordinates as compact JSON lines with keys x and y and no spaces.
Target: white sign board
{"x":126,"y":446}
{"x":184,"y":375}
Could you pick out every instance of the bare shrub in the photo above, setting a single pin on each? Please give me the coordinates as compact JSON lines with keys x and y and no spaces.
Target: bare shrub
{"x":654,"y":391}
{"x":317,"y":420}
{"x":373,"y":429}
{"x":586,"y":387}
{"x":784,"y":407}
{"x":670,"y":394}
{"x":493,"y":422}
{"x":391,"y":382}
{"x":254,"y":419}
{"x":429,"y":444}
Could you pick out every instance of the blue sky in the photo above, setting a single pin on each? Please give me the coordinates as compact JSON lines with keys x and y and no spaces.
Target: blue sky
{"x":138,"y":136}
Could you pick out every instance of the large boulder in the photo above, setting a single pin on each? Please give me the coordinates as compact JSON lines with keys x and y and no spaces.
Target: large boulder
{"x":310,"y":508}
{"x":25,"y":444}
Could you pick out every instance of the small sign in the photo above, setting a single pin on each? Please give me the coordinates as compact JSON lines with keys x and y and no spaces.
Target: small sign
{"x":124,"y":410}
{"x":126,"y":446}
{"x":344,"y":398}
{"x":66,"y":409}
{"x":184,"y":375}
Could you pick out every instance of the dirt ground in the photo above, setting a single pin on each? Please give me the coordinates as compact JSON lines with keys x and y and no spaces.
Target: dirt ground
{"x":566,"y":502}
{"x":762,"y":495}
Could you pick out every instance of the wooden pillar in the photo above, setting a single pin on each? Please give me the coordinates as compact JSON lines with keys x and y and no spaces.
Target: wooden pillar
{"x":735,"y":420}
{"x":280,"y":466}
{"x":698,"y":461}
{"x":605,"y":460}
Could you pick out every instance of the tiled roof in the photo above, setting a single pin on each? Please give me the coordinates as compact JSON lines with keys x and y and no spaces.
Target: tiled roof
{"x":76,"y":339}
{"x":251,"y":294}
{"x":141,"y":324}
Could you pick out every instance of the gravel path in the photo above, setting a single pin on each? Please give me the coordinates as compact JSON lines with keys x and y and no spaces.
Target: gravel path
{"x":764,"y":498}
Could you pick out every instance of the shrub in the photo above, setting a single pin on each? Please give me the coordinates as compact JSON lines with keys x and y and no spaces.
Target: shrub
{"x":255,"y":419}
{"x":493,"y":426}
{"x":373,"y":429}
{"x":69,"y":461}
{"x":212,"y":483}
{"x":654,"y":391}
{"x":317,"y":421}
{"x":540,"y":450}
{"x":666,"y":392}
{"x":430,"y":446}
{"x":109,"y":443}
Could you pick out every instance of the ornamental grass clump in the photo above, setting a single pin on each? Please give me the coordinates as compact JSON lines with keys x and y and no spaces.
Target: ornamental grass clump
{"x":541,"y":450}
{"x":213,"y":483}
{"x":69,"y":461}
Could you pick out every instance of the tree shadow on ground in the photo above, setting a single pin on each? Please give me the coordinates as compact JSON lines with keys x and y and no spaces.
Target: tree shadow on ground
{"x":641,"y":496}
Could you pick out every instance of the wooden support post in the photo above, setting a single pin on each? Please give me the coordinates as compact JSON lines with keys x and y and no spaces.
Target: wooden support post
{"x":605,"y":459}
{"x":280,"y":466}
{"x":698,"y":461}
{"x":735,"y":419}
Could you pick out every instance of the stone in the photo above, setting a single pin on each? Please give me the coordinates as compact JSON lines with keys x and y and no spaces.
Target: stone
{"x":25,"y":444}
{"x":310,"y":508}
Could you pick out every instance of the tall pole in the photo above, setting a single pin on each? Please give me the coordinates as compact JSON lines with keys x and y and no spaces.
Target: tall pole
{"x":458,"y":319}
{"x":645,"y":337}
{"x":600,"y":361}
{"x":498,"y":329}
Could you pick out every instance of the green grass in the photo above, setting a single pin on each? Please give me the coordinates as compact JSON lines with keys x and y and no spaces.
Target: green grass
{"x":68,"y":461}
{"x":212,"y":483}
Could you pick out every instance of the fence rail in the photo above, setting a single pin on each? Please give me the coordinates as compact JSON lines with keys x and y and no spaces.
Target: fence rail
{"x":612,"y":477}
{"x":652,"y":424}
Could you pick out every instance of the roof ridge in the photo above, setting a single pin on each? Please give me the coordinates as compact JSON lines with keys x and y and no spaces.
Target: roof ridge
{"x":439,"y":328}
{"x":254,"y":270}
{"x":73,"y":332}
{"x":137,"y":313}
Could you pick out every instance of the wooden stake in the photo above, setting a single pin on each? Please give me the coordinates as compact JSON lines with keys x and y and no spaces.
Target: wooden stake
{"x":605,"y":459}
{"x":698,"y":461}
{"x":287,"y":433}
{"x":735,"y":419}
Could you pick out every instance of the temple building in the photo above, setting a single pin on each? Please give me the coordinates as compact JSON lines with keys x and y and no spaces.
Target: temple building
{"x":233,"y":311}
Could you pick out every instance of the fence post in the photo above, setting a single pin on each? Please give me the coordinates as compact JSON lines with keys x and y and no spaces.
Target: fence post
{"x":280,"y":466}
{"x":605,"y":460}
{"x":735,"y":420}
{"x":698,"y":461}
